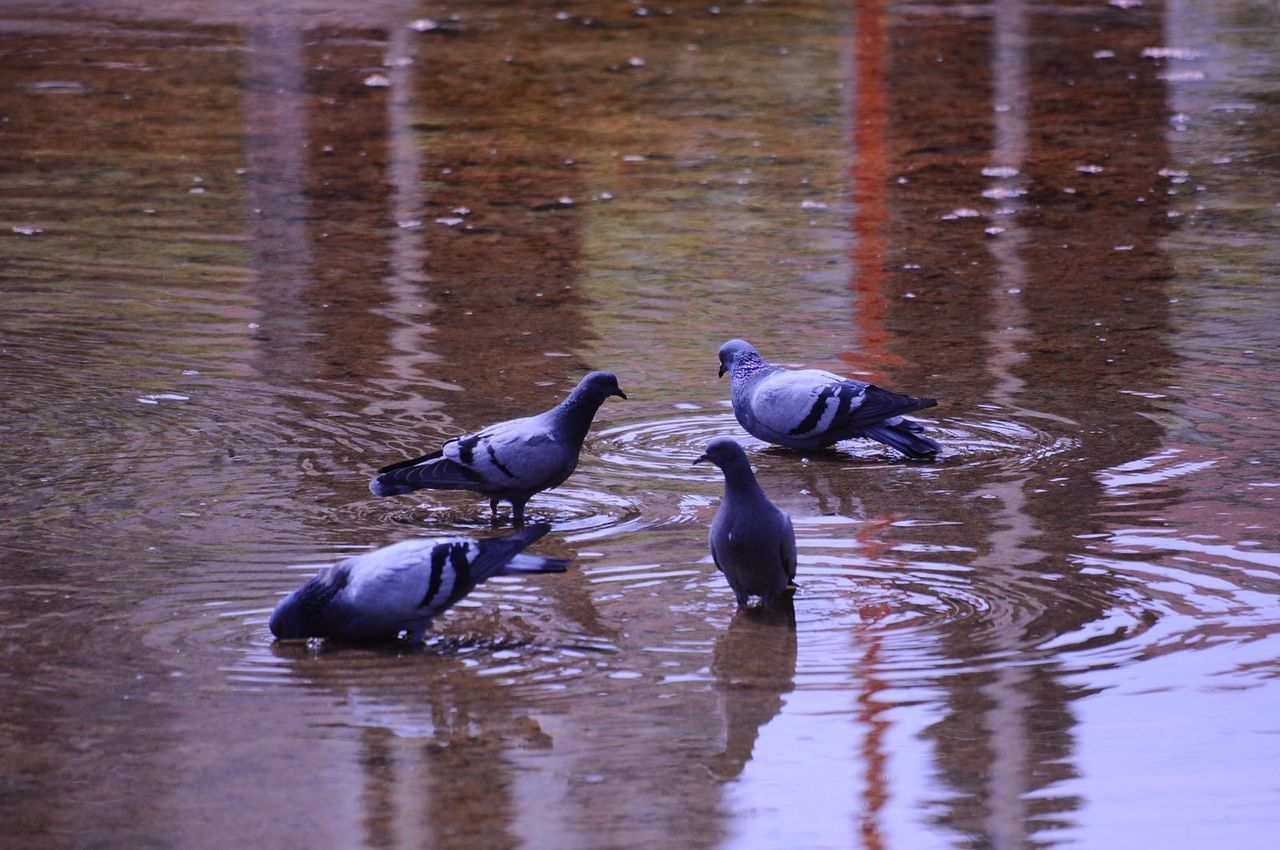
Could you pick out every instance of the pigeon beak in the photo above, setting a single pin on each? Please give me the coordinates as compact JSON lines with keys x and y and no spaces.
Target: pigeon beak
{"x":700,"y":459}
{"x":620,"y":394}
{"x":722,"y":371}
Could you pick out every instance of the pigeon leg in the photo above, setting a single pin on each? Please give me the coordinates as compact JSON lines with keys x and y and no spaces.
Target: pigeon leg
{"x":517,"y":513}
{"x":493,"y":511}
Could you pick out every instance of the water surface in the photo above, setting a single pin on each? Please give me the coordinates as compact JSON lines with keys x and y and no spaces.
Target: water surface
{"x":250,"y":252}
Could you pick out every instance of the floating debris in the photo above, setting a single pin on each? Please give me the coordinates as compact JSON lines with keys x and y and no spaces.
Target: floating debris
{"x":25,"y":230}
{"x":428,"y":25}
{"x":812,"y":205}
{"x":963,"y":212}
{"x":57,"y":87}
{"x":377,"y":81}
{"x":156,"y":398}
{"x":1185,"y":54}
{"x":999,"y":171}
{"x":1090,"y":169}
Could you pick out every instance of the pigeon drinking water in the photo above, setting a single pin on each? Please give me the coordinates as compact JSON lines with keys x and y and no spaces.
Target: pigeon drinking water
{"x":512,"y":460}
{"x":752,"y":541}
{"x":400,"y":589}
{"x":812,"y":408}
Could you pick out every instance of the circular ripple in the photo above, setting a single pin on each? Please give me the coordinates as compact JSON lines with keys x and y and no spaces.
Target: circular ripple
{"x":578,"y":509}
{"x":665,"y":448}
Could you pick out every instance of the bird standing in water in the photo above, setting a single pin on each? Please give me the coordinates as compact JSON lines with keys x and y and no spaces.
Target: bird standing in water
{"x":752,"y":540}
{"x":400,"y":589}
{"x":813,"y":408}
{"x":510,"y":461}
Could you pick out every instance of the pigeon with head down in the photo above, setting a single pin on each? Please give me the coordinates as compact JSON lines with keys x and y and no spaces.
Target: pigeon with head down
{"x":752,"y":540}
{"x":813,"y":408}
{"x":510,"y":461}
{"x":399,"y":589}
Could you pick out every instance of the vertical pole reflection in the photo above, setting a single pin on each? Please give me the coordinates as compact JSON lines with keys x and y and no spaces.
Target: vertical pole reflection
{"x":407,"y":304}
{"x":868,"y":179}
{"x":1009,"y":155}
{"x":1005,"y":720}
{"x":378,"y":761}
{"x":275,"y":153}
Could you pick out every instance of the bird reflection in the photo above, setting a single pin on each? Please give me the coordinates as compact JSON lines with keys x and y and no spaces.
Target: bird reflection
{"x":754,"y":663}
{"x":435,"y":746}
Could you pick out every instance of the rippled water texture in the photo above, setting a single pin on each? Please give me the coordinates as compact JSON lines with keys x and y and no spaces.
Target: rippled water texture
{"x":250,"y":252}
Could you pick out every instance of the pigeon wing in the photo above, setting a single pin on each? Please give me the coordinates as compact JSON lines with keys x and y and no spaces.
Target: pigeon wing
{"x":522,"y":454}
{"x":408,"y":580}
{"x":788,"y":545}
{"x":811,"y":403}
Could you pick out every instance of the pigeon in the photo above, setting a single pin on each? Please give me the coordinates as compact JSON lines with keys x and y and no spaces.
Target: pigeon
{"x":752,"y":541}
{"x":509,"y":461}
{"x":399,"y":589}
{"x":812,"y":408}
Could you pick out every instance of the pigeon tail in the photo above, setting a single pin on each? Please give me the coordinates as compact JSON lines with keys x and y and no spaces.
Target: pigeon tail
{"x":526,"y":564}
{"x":905,"y":436}
{"x":526,"y":536}
{"x":502,"y":555}
{"x":432,"y":471}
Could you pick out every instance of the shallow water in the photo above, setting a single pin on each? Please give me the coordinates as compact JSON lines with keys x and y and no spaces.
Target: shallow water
{"x":251,"y":252}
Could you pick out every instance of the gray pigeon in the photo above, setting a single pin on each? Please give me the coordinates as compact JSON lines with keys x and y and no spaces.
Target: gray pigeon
{"x":812,"y":408}
{"x":752,"y":541}
{"x":509,"y":461}
{"x":401,"y":588}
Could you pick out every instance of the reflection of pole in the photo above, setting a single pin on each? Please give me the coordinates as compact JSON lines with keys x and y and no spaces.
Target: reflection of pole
{"x":869,"y":178}
{"x":407,"y":303}
{"x":876,"y":762}
{"x":869,"y":181}
{"x":378,"y":763}
{"x":1006,"y":720}
{"x":276,"y":174}
{"x":1010,"y":91}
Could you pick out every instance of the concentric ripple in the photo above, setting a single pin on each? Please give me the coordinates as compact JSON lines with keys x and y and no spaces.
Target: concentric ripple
{"x":665,"y":447}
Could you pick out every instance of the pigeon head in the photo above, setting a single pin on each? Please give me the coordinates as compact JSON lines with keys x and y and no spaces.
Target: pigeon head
{"x":598,"y":386}
{"x":302,"y":614}
{"x":288,"y":621}
{"x":725,"y":453}
{"x":735,"y":352}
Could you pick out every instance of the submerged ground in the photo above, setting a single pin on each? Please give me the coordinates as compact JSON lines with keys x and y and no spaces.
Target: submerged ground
{"x":249,"y":252}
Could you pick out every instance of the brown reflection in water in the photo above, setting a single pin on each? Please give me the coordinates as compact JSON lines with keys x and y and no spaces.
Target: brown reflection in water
{"x":869,"y":177}
{"x":1053,"y":300}
{"x":435,"y":743}
{"x":410,"y":237}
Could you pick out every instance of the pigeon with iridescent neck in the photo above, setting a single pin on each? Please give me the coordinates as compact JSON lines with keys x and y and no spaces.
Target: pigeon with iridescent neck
{"x":813,"y":408}
{"x":510,"y":461}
